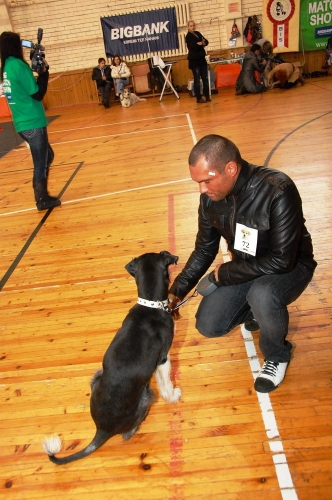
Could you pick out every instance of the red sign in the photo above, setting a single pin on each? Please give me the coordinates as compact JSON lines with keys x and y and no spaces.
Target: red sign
{"x":280,"y":13}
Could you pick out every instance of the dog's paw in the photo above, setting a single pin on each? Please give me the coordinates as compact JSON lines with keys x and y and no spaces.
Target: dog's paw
{"x":177,"y":394}
{"x":174,"y":396}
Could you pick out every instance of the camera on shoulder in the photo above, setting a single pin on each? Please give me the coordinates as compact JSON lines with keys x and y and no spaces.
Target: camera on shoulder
{"x":37,"y":53}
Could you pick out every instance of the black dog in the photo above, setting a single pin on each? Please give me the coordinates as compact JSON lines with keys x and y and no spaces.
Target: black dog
{"x":120,"y":393}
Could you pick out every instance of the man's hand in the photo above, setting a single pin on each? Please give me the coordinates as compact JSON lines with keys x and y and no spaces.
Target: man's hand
{"x":174,"y":301}
{"x":216,"y":272}
{"x":45,"y":63}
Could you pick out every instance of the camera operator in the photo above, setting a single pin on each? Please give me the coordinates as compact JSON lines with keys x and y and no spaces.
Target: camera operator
{"x":24,"y":95}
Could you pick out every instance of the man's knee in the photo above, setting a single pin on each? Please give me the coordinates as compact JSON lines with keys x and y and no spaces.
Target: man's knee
{"x":209,"y":330}
{"x":261,"y":295}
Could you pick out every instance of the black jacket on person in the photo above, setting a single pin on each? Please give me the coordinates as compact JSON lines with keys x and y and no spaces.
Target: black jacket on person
{"x":196,"y":53}
{"x":246,"y":81}
{"x":263,"y":199}
{"x":97,"y":76}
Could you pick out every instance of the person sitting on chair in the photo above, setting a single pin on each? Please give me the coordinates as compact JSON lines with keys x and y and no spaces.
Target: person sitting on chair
{"x":101,"y":74}
{"x":120,"y":74}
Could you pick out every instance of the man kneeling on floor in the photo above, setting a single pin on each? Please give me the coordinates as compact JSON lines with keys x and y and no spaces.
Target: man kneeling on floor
{"x":258,"y":211}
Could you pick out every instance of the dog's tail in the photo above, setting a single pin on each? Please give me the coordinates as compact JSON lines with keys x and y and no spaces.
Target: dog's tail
{"x":52,"y":445}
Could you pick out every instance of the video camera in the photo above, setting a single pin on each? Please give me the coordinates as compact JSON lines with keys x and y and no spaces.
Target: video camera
{"x":36,"y":52}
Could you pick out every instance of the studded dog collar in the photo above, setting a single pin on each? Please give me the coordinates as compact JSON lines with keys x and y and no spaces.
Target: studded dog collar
{"x":155,"y":304}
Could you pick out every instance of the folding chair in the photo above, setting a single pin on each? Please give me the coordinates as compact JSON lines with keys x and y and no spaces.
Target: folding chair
{"x":165,"y":70}
{"x":140,"y":78}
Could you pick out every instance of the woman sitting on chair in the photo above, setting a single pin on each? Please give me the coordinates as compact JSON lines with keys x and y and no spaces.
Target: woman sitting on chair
{"x":120,"y":75}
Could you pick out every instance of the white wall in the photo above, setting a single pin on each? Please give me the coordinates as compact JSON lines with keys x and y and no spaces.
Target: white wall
{"x":72,"y":30}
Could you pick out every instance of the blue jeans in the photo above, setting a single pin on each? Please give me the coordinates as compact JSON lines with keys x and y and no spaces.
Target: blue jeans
{"x":266,"y":299}
{"x":201,"y":72}
{"x":41,"y":151}
{"x":120,"y":84}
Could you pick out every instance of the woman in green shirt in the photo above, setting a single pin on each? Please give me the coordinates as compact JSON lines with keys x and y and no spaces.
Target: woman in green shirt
{"x":24,"y":95}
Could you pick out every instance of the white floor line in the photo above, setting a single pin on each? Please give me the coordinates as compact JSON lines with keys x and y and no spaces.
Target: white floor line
{"x":18,"y":211}
{"x":284,"y":477}
{"x":191,"y":128}
{"x":165,"y":117}
{"x":111,"y":193}
{"x":123,"y":191}
{"x":94,"y":138}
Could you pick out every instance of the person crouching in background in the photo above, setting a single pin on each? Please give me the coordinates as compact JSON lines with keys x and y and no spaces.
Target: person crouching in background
{"x":246,"y":82}
{"x":286,"y":75}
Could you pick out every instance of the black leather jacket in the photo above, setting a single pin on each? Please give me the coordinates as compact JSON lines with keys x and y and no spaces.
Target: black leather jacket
{"x":266,"y":200}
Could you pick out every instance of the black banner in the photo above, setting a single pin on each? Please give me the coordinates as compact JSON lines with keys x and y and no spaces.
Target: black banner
{"x":140,"y":32}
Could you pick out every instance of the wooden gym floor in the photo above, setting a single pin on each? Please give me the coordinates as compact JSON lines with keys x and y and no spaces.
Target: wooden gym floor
{"x":125,"y":190}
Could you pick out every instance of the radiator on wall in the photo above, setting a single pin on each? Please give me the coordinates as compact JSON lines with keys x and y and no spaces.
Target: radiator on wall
{"x":182,"y":14}
{"x":182,"y":19}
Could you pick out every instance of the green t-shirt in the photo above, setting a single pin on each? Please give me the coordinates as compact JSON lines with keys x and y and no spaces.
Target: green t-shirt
{"x":18,"y":85}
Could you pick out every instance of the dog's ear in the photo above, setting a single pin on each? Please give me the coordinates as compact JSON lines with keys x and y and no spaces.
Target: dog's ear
{"x":131,"y":267}
{"x":169,"y":258}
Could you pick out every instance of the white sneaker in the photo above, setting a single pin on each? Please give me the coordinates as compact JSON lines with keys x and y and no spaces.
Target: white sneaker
{"x":270,"y":376}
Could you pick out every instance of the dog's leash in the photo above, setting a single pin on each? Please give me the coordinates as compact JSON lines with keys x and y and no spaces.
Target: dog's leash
{"x":185,"y":300}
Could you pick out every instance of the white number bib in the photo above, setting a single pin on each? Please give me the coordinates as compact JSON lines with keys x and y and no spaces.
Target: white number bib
{"x":245,"y":239}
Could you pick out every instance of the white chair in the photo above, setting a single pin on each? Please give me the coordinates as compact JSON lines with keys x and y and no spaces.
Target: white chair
{"x":165,"y":69}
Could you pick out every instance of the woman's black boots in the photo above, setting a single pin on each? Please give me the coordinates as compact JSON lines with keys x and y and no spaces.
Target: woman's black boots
{"x":43,"y":200}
